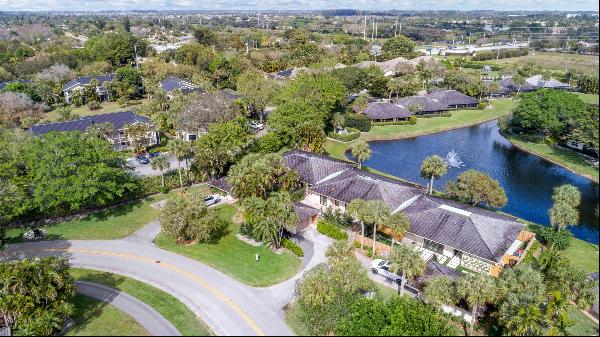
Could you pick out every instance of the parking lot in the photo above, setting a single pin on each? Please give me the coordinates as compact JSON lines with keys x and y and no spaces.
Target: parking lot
{"x":146,"y":169}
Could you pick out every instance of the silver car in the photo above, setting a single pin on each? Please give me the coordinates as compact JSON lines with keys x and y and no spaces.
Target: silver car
{"x":212,"y":200}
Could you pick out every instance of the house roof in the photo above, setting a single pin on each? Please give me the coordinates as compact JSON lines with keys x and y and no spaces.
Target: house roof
{"x":85,"y":80}
{"x":313,"y":167}
{"x":470,"y":229}
{"x":304,"y":211}
{"x":117,"y":119}
{"x":501,"y":88}
{"x":427,"y":104}
{"x":3,"y":84}
{"x":389,"y":66}
{"x":357,"y":184}
{"x":173,"y":83}
{"x":434,"y":269}
{"x":508,"y":82}
{"x":538,"y":81}
{"x":220,"y":184}
{"x":385,"y":110}
{"x":452,"y":97}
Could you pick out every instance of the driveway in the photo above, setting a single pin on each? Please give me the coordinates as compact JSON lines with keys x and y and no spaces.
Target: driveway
{"x":146,"y":169}
{"x":146,"y":316}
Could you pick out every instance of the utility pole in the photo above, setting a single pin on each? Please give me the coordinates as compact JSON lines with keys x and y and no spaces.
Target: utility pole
{"x":396,"y":28}
{"x":365,"y":28}
{"x":136,"y":60}
{"x":258,"y":21}
{"x":373,"y":31}
{"x":400,"y":30}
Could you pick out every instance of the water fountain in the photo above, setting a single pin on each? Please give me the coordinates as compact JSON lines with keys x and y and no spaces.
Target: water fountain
{"x":453,"y":160}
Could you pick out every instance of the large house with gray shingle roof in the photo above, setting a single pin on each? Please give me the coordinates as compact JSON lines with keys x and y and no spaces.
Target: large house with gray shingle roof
{"x":423,"y":105}
{"x":453,"y":99}
{"x":386,"y":112}
{"x":77,"y":85}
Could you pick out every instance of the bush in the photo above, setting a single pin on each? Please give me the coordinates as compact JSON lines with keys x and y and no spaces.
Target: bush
{"x":445,"y":114}
{"x":559,"y":239}
{"x":337,"y":217}
{"x":331,"y":230}
{"x":504,"y":53}
{"x":94,"y":105}
{"x":392,"y":123}
{"x":293,"y":247}
{"x":412,"y":120}
{"x":482,"y":105}
{"x":357,"y":121}
{"x":345,"y":137}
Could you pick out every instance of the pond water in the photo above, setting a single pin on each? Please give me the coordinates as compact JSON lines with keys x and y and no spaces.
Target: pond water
{"x":527,"y":179}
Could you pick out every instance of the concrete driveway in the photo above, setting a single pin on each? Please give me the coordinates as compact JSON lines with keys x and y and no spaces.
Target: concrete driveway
{"x":146,"y":169}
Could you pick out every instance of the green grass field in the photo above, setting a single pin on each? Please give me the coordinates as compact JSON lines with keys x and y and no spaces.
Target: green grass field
{"x":553,"y":61}
{"x":109,"y":224}
{"x":95,"y":318}
{"x":236,"y":258}
{"x":583,"y":255}
{"x":584,"y":326}
{"x":588,"y":98}
{"x":106,"y":107}
{"x":168,"y":306}
{"x":564,"y":157}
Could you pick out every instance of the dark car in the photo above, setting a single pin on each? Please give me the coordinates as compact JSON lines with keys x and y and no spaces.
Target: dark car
{"x":154,"y":154}
{"x":142,"y":160}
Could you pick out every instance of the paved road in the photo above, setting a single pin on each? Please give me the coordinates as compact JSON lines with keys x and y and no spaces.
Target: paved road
{"x":142,"y":313}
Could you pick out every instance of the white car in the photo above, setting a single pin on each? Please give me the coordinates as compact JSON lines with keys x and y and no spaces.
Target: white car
{"x":382,"y":267}
{"x":212,"y":200}
{"x":257,"y":125}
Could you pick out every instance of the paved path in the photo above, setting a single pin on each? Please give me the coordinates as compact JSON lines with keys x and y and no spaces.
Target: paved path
{"x":142,"y":313}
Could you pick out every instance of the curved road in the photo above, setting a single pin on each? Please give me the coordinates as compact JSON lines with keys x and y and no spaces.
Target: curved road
{"x":142,"y":313}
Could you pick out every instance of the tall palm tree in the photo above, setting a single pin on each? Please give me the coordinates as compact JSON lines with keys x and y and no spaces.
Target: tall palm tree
{"x":433,"y":167}
{"x":407,"y":263}
{"x":563,"y":215}
{"x":529,"y":320}
{"x":398,"y":223}
{"x":378,"y":213}
{"x":477,"y":290}
{"x":568,"y":194}
{"x":162,"y":164}
{"x":361,"y":151}
{"x":356,"y":209}
{"x":440,"y":290}
{"x":178,"y":148}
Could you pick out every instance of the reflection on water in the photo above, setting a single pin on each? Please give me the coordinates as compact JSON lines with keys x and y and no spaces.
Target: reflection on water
{"x":528,"y":180}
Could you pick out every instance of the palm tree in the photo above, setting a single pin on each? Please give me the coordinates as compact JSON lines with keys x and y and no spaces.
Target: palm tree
{"x":440,"y":290}
{"x":477,"y":290}
{"x":398,"y":223}
{"x":337,"y":120}
{"x":563,"y":215}
{"x":433,"y":167}
{"x":270,"y":217}
{"x":407,"y":263}
{"x":162,"y":164}
{"x":529,"y":320}
{"x":361,"y":151}
{"x":378,"y":213}
{"x":178,"y":148}
{"x":356,"y":209}
{"x":568,"y":194}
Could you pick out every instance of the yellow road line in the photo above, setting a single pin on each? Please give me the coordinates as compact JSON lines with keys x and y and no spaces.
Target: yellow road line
{"x":216,"y":292}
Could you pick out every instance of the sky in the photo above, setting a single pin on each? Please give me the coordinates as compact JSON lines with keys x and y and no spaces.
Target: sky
{"x":95,"y":5}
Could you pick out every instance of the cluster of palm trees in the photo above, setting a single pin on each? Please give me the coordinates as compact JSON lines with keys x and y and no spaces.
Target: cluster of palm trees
{"x":182,"y":151}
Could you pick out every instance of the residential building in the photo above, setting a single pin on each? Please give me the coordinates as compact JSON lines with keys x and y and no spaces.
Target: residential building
{"x":386,"y":112}
{"x":423,"y":105}
{"x":453,"y":99}
{"x":538,"y":81}
{"x":117,"y":135}
{"x":173,"y":84}
{"x":78,"y":85}
{"x":508,"y":82}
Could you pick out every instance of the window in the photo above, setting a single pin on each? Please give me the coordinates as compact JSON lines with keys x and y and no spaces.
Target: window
{"x":336,"y":203}
{"x":433,"y":246}
{"x":191,"y":137}
{"x":323,"y":201}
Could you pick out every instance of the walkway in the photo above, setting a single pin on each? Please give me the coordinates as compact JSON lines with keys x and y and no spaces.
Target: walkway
{"x":142,"y":313}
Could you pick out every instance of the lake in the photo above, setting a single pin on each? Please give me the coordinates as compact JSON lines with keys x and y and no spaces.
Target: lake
{"x":527,"y":179}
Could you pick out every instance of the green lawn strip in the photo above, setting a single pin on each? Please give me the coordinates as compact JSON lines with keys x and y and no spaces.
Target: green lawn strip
{"x":95,"y":318}
{"x":584,"y":326}
{"x":112,"y":223}
{"x":588,"y":98}
{"x":552,"y":61}
{"x":168,"y":306}
{"x":569,"y":159}
{"x":83,"y":110}
{"x":237,"y":258}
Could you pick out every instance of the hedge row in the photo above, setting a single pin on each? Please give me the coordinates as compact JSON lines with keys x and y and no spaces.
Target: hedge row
{"x":357,"y":121}
{"x":293,"y":247}
{"x":345,"y":137}
{"x":330,"y":230}
{"x":445,"y":114}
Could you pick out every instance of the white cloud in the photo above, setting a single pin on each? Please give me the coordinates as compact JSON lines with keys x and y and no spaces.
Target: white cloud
{"x":94,"y":5}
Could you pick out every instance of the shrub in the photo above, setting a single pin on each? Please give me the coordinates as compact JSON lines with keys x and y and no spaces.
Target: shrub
{"x":482,"y":105}
{"x":94,"y":105}
{"x":392,"y":123}
{"x":345,"y":137}
{"x":412,"y":120}
{"x":445,"y":114}
{"x":337,"y":217}
{"x":357,"y":121}
{"x":559,"y":239}
{"x":293,"y":247}
{"x":331,"y":230}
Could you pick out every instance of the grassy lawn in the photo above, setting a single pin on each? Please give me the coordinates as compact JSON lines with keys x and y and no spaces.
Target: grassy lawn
{"x":564,"y":157}
{"x":426,"y":126}
{"x":236,"y":258}
{"x":553,"y":61}
{"x":95,"y":318}
{"x":584,"y":326}
{"x":109,"y":224}
{"x":588,"y":98}
{"x":168,"y":306}
{"x":105,"y":107}
{"x":583,"y":255}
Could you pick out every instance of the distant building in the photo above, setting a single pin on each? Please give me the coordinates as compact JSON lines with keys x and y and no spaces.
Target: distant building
{"x":172,"y":84}
{"x":80,"y":83}
{"x":552,"y":83}
{"x":118,"y":137}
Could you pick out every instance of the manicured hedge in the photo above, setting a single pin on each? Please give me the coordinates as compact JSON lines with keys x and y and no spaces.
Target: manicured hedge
{"x":330,"y":230}
{"x":357,"y":121}
{"x":392,"y":123}
{"x":293,"y":247}
{"x":346,"y":137}
{"x":445,"y":114}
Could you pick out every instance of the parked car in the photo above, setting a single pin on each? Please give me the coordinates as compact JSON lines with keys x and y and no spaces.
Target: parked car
{"x":212,"y":200}
{"x":142,"y":159}
{"x":154,"y":154}
{"x":382,"y":267}
{"x":256,"y":125}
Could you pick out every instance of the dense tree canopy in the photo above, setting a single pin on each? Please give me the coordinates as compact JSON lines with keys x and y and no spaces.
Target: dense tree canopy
{"x":258,"y":175}
{"x":116,"y":48}
{"x":398,"y":46}
{"x":477,"y":188}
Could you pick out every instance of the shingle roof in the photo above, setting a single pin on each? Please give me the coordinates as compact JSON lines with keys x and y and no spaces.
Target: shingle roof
{"x":434,"y":269}
{"x":172,"y":83}
{"x":470,"y":229}
{"x":313,"y":167}
{"x":220,"y":184}
{"x":452,"y":97}
{"x":357,"y":184}
{"x":304,"y":211}
{"x":85,"y":80}
{"x":538,"y":81}
{"x":117,"y":119}
{"x":427,"y":104}
{"x":507,"y":82}
{"x":385,"y":110}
